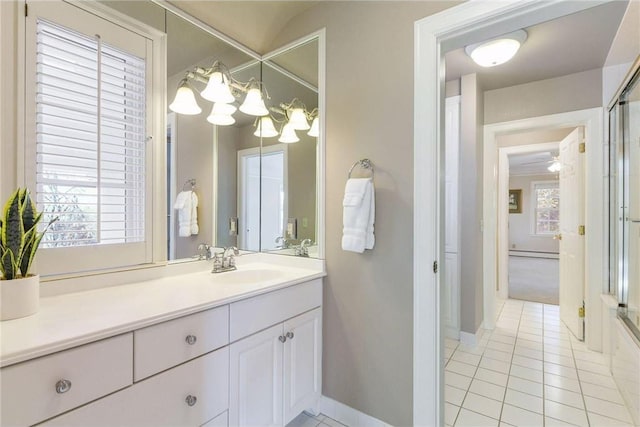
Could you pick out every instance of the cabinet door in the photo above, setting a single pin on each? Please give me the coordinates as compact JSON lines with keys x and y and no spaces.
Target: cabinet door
{"x":302,"y":363}
{"x":255,"y":389}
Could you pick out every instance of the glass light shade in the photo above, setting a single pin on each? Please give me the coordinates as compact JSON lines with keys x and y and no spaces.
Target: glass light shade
{"x":221,"y":119}
{"x":288,"y":135}
{"x":265,"y":128}
{"x":185,"y":101}
{"x":217,"y":89}
{"x":497,"y":51}
{"x":315,"y":128}
{"x":253,"y":103}
{"x":223,"y":109}
{"x":555,"y":167}
{"x":298,"y":120}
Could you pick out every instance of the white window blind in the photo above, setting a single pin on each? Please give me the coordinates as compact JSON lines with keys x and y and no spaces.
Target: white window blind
{"x":90,"y":139}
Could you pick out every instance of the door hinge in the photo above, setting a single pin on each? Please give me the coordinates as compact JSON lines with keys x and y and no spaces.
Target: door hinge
{"x":435,"y":266}
{"x":26,"y":10}
{"x":581,"y":230}
{"x":582,"y":147}
{"x":581,"y":311}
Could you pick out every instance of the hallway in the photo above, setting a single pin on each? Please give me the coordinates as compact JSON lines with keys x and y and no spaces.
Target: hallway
{"x":529,"y":371}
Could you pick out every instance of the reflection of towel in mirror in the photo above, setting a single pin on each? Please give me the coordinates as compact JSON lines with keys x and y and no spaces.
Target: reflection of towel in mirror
{"x":187,"y":213}
{"x":358,"y":215}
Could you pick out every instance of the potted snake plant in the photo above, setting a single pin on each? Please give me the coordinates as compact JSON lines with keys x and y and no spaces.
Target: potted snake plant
{"x":19,"y":241}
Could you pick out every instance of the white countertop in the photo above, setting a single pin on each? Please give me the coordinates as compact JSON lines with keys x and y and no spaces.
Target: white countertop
{"x":72,"y":319}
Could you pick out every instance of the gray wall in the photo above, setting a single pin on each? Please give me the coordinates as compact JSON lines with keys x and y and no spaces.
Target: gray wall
{"x":368,"y":298}
{"x":470,"y":187}
{"x":558,"y":95}
{"x":520,"y":237}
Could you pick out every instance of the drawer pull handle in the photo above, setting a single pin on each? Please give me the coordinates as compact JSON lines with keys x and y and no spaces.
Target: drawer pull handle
{"x":290,"y":335}
{"x":191,"y":339}
{"x":282,"y":338}
{"x":63,"y":386}
{"x":191,"y":400}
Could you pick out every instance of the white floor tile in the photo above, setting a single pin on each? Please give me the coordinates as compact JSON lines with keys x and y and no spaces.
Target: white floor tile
{"x":604,"y":393}
{"x":596,"y":368}
{"x":524,"y":401}
{"x":525,"y":386}
{"x":303,"y":420}
{"x":487,"y":389}
{"x":331,"y":423}
{"x":552,"y":422}
{"x":528,"y":352}
{"x":495,"y":365}
{"x":482,"y":405}
{"x":530,"y":337}
{"x":559,"y":360}
{"x":497,"y":355}
{"x":468,"y":358}
{"x":492,"y":377}
{"x":520,"y":417}
{"x":456,"y":380}
{"x":468,"y":418}
{"x":451,"y":343}
{"x":476,"y":349}
{"x":529,"y":344}
{"x":554,"y":342}
{"x":562,"y":382}
{"x":590,"y":357}
{"x":560,"y":351}
{"x":450,"y":413}
{"x":454,"y":395}
{"x":506,"y":339}
{"x":560,"y":370}
{"x":460,"y":368}
{"x":565,"y":413}
{"x":601,"y":380}
{"x":527,"y":362}
{"x":494,"y":345}
{"x":596,"y":420}
{"x":565,"y":397}
{"x":526,"y":373}
{"x":606,"y":408}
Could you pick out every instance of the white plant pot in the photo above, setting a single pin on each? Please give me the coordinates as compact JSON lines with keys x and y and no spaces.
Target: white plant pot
{"x":19,"y":297}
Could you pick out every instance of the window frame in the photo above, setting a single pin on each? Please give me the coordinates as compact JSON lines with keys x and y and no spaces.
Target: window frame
{"x":535,"y":185}
{"x":87,"y":262}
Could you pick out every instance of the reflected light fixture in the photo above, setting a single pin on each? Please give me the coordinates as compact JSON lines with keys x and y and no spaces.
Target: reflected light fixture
{"x":265,"y":128}
{"x":298,"y":119}
{"x":185,"y":100}
{"x":498,"y":50}
{"x":221,"y":114}
{"x":555,"y":166}
{"x":288,"y":135}
{"x":315,"y":128}
{"x":218,"y":89}
{"x":253,"y":103}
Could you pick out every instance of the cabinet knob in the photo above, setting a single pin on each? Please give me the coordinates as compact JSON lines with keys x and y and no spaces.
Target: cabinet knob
{"x":282,"y":338}
{"x":290,"y":335}
{"x":191,"y":400}
{"x":191,"y":339}
{"x":63,"y":386}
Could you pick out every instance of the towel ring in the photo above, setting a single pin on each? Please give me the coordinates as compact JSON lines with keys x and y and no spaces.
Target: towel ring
{"x":364,"y":164}
{"x":191,"y":182}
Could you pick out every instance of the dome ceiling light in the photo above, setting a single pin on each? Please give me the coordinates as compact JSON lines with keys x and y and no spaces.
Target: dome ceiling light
{"x":498,"y":50}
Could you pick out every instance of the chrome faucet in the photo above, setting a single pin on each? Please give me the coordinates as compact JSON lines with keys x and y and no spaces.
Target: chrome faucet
{"x":303,"y":249}
{"x":204,"y":252}
{"x":223,"y":262}
{"x":282,"y":242}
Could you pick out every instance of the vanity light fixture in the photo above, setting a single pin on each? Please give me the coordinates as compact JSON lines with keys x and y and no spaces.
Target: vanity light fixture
{"x":185,"y":100}
{"x":288,"y":135}
{"x":498,"y":50}
{"x":265,"y":128}
{"x":293,"y":116}
{"x":221,"y":89}
{"x":298,"y":119}
{"x":315,"y":128}
{"x":221,"y":114}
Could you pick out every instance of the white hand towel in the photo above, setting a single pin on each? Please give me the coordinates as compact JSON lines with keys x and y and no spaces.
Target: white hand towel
{"x":358,"y":215}
{"x":194,"y":214}
{"x":183,"y":206}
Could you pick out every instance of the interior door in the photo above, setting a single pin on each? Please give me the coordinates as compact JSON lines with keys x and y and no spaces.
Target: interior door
{"x":572,"y":232}
{"x":249,"y":199}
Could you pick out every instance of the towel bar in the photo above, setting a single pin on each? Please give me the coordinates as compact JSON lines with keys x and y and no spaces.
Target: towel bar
{"x":191,"y":181}
{"x":364,"y":164}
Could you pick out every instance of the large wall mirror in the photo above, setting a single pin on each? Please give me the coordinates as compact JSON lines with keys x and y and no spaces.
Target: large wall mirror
{"x":256,"y":185}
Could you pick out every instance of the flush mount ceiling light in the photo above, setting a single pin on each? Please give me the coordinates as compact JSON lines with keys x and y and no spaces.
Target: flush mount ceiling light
{"x":498,"y":50}
{"x":555,"y":166}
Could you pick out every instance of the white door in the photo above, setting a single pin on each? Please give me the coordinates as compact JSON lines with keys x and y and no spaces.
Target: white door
{"x":255,"y":381}
{"x":302,"y":363}
{"x":273,"y":209}
{"x":572,"y":236}
{"x":249,"y":199}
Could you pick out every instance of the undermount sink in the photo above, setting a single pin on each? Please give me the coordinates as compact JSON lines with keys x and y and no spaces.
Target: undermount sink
{"x":248,"y":276}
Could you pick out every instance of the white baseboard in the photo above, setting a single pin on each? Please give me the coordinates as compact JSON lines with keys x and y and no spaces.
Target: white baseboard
{"x":471,"y":340}
{"x":347,"y":415}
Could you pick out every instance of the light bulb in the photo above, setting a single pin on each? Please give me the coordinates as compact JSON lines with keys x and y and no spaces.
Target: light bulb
{"x":265,"y":128}
{"x":185,"y":101}
{"x":288,"y":135}
{"x":253,"y":103}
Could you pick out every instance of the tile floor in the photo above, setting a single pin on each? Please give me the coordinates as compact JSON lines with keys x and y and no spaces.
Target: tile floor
{"x":529,"y":371}
{"x":304,"y":420}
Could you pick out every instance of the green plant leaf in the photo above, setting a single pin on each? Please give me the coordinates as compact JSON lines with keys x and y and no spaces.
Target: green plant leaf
{"x":13,"y":229}
{"x":30,"y":217}
{"x":9,"y":267}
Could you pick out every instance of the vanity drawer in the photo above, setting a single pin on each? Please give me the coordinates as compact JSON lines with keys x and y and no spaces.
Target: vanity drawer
{"x":33,"y":391}
{"x":164,"y":399}
{"x":160,"y":347}
{"x":257,"y":313}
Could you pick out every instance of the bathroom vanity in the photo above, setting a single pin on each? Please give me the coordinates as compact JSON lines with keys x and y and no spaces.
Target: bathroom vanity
{"x":237,"y":348}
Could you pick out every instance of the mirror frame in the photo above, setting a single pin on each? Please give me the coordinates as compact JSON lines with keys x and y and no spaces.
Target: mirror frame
{"x":320,"y":35}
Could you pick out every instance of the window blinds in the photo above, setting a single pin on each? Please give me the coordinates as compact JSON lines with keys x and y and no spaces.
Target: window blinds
{"x":90,"y":139}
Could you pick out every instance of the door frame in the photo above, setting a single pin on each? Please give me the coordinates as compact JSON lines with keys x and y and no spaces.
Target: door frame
{"x":502,"y":284}
{"x":593,"y":121}
{"x":452,"y":28}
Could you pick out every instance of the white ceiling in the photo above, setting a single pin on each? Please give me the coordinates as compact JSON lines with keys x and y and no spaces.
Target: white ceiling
{"x":531,"y":163}
{"x":567,"y":45}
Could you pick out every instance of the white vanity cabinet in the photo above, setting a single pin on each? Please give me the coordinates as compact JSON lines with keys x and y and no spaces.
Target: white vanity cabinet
{"x":276,"y":373}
